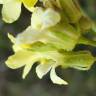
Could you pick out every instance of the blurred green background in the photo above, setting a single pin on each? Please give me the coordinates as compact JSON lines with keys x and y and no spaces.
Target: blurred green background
{"x":11,"y":84}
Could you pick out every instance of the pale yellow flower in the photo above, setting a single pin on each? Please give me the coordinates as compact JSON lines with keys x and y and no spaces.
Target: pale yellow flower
{"x":44,"y":18}
{"x":48,"y":57}
{"x":48,"y":60}
{"x":12,"y":8}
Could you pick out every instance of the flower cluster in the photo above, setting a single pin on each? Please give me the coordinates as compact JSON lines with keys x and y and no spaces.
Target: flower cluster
{"x":56,"y":28}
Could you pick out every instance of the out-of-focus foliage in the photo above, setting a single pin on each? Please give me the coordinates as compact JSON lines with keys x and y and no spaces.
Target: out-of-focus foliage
{"x":11,"y":83}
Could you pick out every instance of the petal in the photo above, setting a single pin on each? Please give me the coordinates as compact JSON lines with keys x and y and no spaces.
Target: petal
{"x":50,"y":18}
{"x":11,"y":11}
{"x":42,"y":19}
{"x":1,"y":1}
{"x":29,"y":4}
{"x":43,"y":69}
{"x":30,"y":36}
{"x":16,"y":48}
{"x":12,"y":38}
{"x":55,"y":79}
{"x":27,"y":69}
{"x":19,"y":59}
{"x":36,"y":21}
{"x":26,"y":37}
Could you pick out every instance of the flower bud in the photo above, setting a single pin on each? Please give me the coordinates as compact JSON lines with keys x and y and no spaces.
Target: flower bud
{"x":82,"y":60}
{"x":85,"y":24}
{"x":71,"y":10}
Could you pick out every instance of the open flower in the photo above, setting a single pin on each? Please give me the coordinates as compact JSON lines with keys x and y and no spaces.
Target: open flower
{"x":12,"y":8}
{"x":48,"y":58}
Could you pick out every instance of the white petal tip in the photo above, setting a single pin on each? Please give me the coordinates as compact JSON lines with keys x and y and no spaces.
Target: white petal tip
{"x":55,"y":79}
{"x":23,"y":76}
{"x":60,"y":82}
{"x":40,"y":76}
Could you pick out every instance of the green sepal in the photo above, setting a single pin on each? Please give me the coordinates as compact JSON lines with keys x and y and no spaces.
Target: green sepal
{"x":85,"y":24}
{"x":41,"y":47}
{"x":72,"y":11}
{"x":82,"y":60}
{"x":66,"y":36}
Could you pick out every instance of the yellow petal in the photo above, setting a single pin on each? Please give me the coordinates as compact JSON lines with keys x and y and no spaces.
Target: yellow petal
{"x":26,"y":37}
{"x":44,"y":18}
{"x":19,"y":59}
{"x":27,"y":69}
{"x":30,"y":36}
{"x":11,"y":11}
{"x":43,"y":69}
{"x":55,"y":79}
{"x":16,"y":47}
{"x":29,"y":4}
{"x":12,"y":38}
